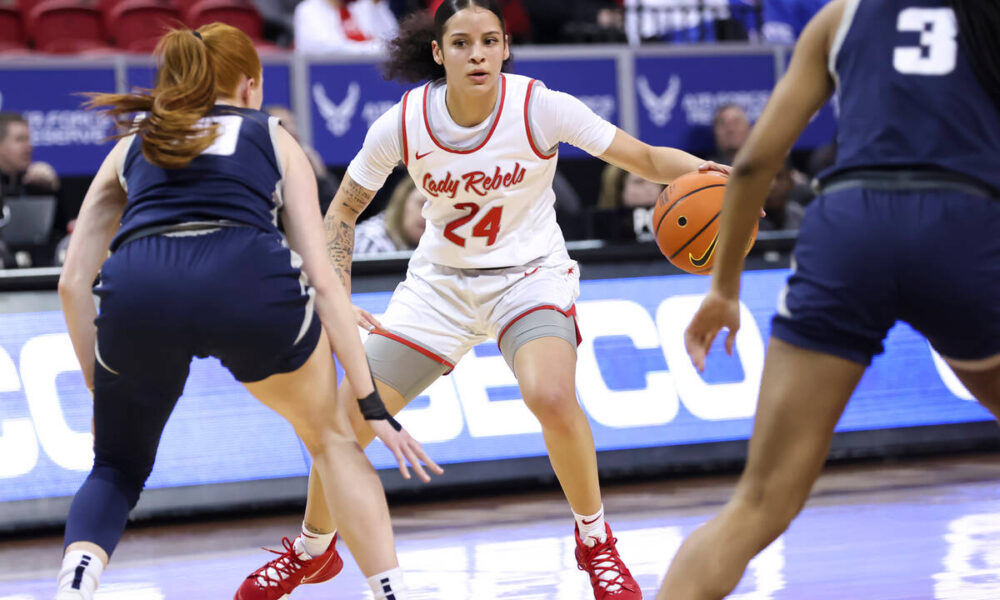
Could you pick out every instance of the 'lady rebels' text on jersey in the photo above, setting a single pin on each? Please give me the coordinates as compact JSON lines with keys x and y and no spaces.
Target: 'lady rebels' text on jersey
{"x":491,"y":205}
{"x":489,"y":197}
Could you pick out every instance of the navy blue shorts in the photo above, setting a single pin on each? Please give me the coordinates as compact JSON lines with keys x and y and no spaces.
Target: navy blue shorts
{"x":237,"y":294}
{"x":866,"y":258}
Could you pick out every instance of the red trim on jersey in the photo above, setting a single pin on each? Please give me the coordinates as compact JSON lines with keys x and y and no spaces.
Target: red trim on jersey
{"x":566,"y":313}
{"x":436,"y":358}
{"x":406,"y":145}
{"x":427,"y":123}
{"x":527,"y":125}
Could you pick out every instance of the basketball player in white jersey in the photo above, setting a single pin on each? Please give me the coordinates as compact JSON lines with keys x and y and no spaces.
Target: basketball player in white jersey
{"x":481,"y":145}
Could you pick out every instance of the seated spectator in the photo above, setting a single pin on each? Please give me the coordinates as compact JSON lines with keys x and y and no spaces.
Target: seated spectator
{"x":343,"y":26}
{"x":731,"y":127}
{"x":326,"y":182}
{"x":398,"y":227}
{"x":786,"y":202}
{"x":625,"y":206}
{"x":19,"y":176}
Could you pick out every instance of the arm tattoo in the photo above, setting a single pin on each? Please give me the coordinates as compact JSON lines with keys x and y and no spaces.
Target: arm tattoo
{"x":351,"y":199}
{"x":340,"y":247}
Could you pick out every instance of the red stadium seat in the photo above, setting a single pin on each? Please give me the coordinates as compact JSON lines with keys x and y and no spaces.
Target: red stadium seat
{"x":25,"y":7}
{"x":241,"y":14}
{"x":136,"y":25}
{"x":66,"y":26}
{"x":105,"y":7}
{"x":12,"y":36}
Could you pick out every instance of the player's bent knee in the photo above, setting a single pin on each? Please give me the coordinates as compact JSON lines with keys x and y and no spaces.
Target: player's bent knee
{"x":551,"y":404}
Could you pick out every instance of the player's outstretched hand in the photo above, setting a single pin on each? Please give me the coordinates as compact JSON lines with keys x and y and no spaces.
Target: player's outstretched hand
{"x":714,"y":166}
{"x":726,"y":169}
{"x":716,"y":311}
{"x":365,"y":320}
{"x":405,"y":449}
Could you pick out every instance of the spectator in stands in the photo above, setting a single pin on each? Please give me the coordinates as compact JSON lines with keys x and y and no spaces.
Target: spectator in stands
{"x":785,"y":19}
{"x":785,"y":203}
{"x":19,"y":176}
{"x":396,"y":228}
{"x":625,"y":206}
{"x":343,"y":26}
{"x":731,"y":127}
{"x":326,"y":182}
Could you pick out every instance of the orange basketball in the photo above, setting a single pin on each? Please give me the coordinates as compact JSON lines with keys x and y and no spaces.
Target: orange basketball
{"x":686,"y":220}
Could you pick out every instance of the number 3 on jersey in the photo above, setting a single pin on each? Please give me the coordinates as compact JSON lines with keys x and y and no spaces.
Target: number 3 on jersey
{"x":488,"y":227}
{"x":938,"y":49}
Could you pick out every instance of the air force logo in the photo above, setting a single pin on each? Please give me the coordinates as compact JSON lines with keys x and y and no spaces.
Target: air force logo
{"x":337,"y":116}
{"x":659,"y":106}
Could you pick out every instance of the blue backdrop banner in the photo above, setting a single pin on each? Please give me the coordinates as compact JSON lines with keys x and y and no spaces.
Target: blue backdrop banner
{"x":634,"y":381}
{"x":63,"y":133}
{"x":677,"y":96}
{"x":593,"y":81}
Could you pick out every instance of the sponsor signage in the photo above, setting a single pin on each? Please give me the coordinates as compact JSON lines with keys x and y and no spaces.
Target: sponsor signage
{"x":634,"y":380}
{"x":677,"y":96}
{"x":345,"y":99}
{"x":593,"y":81}
{"x":277,"y":84}
{"x":62,"y":132}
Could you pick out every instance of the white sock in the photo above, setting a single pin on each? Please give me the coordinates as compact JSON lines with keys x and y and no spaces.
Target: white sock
{"x":80,"y":572}
{"x":312,"y":544}
{"x":592,"y":530}
{"x":388,"y":585}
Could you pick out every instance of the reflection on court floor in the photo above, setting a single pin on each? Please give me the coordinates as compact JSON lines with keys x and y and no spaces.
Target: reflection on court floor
{"x":906,"y":532}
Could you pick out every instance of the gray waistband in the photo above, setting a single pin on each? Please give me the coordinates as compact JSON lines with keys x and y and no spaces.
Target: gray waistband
{"x":179,"y":229}
{"x":904,"y":180}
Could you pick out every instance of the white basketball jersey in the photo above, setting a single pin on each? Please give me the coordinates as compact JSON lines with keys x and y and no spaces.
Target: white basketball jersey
{"x":490,"y":205}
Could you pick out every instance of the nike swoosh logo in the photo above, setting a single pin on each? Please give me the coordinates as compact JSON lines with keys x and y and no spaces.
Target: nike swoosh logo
{"x":591,"y":522}
{"x":419,"y":155}
{"x":704,"y":258}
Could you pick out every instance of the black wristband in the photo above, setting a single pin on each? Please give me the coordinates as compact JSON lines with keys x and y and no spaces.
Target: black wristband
{"x":373,"y":409}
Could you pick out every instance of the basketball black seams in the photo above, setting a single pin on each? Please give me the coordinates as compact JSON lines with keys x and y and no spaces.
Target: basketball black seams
{"x":695,"y":236}
{"x":656,"y":230}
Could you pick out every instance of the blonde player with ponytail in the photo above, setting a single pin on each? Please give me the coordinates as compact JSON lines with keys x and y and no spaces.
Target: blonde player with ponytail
{"x":199,"y":268}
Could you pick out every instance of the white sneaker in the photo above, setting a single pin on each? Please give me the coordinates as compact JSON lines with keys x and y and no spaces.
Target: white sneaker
{"x":71,"y":595}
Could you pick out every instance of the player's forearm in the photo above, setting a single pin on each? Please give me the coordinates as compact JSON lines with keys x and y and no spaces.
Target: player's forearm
{"x":745,"y":193}
{"x":340,"y":245}
{"x":348,"y":204}
{"x":668,"y":164}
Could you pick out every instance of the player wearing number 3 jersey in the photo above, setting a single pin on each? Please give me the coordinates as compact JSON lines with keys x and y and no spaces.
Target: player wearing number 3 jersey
{"x":481,"y":145}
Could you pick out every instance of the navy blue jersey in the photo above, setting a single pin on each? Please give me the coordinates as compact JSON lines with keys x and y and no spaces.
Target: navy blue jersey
{"x":908,"y":95}
{"x":237,"y":179}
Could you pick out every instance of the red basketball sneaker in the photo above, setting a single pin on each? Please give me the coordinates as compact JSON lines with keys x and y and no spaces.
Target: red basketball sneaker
{"x":608,"y":574}
{"x":278,"y":578}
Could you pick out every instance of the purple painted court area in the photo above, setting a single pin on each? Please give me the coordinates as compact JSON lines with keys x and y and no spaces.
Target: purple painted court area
{"x":908,"y":531}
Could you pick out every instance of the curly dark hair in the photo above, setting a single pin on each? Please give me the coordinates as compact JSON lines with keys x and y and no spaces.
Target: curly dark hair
{"x":410,"y":59}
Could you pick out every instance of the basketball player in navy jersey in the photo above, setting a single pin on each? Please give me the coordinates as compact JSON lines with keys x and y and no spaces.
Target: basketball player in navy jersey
{"x":906,"y":227}
{"x":198,"y":268}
